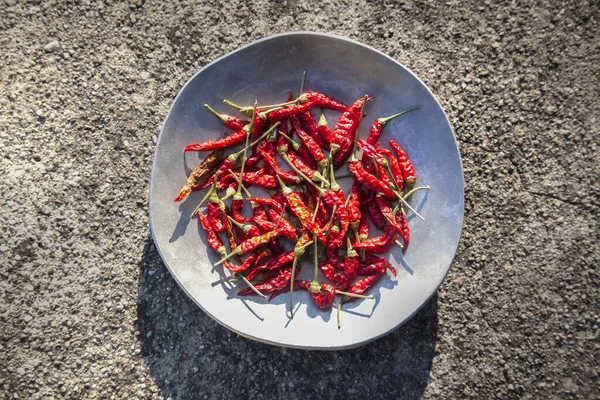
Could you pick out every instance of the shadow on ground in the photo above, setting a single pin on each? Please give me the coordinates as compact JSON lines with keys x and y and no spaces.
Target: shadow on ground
{"x":191,"y":356}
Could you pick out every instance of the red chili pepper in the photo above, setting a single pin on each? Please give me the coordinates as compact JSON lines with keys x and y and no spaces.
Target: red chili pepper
{"x":273,"y":203}
{"x":301,"y":165}
{"x":274,"y":263}
{"x":351,"y":262}
{"x":327,"y":135}
{"x":311,"y":145}
{"x":395,"y":168}
{"x":230,"y":122}
{"x":263,"y":255}
{"x":379,"y":123}
{"x":300,"y":209}
{"x":322,"y":101}
{"x":345,"y":132}
{"x":405,"y":233}
{"x":388,"y":213}
{"x":200,"y":175}
{"x":289,"y":176}
{"x":380,"y":244}
{"x":287,"y":112}
{"x":232,"y":140}
{"x":237,"y":205}
{"x":306,"y":156}
{"x":214,"y":240}
{"x":370,"y":151}
{"x":332,"y":245}
{"x":353,"y":205}
{"x":311,"y":128}
{"x":385,"y":179}
{"x":257,"y":178}
{"x":325,"y":297}
{"x":248,"y":262}
{"x":369,"y":180}
{"x":362,"y":285}
{"x":216,"y":217}
{"x":374,"y":211}
{"x":374,"y":264}
{"x":280,"y":281}
{"x":407,"y":167}
{"x":363,"y":228}
{"x":231,"y":236}
{"x":337,"y":278}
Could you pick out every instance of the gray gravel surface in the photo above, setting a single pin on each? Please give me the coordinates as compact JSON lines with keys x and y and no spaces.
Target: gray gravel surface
{"x":87,"y":309}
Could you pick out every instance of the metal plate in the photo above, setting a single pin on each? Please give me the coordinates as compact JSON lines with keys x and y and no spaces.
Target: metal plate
{"x":344,"y":70}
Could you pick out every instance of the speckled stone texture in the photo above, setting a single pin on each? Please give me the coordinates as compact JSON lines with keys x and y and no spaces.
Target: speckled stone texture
{"x":87,"y":309}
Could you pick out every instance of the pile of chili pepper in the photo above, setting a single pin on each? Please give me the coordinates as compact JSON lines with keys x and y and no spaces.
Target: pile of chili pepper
{"x":290,"y":155}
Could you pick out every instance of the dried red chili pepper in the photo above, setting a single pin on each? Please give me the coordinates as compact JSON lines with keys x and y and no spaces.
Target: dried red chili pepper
{"x":337,"y":278}
{"x":405,"y":230}
{"x":379,"y":244}
{"x":374,"y":211}
{"x":201,"y":174}
{"x":322,"y":101}
{"x":369,"y":151}
{"x":289,"y":176}
{"x":407,"y":167}
{"x":353,"y":205}
{"x":216,"y":217}
{"x":327,"y":135}
{"x":313,"y":141}
{"x":374,"y":264}
{"x":311,"y":127}
{"x":230,"y":122}
{"x":248,"y":262}
{"x":306,"y":156}
{"x":335,"y":199}
{"x":345,"y":131}
{"x":301,"y":167}
{"x":280,"y":281}
{"x":233,"y":139}
{"x":364,"y":284}
{"x":299,"y":208}
{"x":379,"y":123}
{"x":278,"y":261}
{"x":249,"y":230}
{"x":251,"y":244}
{"x":351,"y":262}
{"x":214,"y":241}
{"x":394,"y":169}
{"x":325,"y":297}
{"x":369,"y":180}
{"x":387,"y":212}
{"x":363,"y":227}
{"x":257,"y":178}
{"x":273,"y":203}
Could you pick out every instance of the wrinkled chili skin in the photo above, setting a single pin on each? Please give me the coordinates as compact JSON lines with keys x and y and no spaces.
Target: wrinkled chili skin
{"x":283,"y":113}
{"x":229,"y":163}
{"x":273,"y":203}
{"x":325,"y":297}
{"x":306,"y":156}
{"x":407,"y":167}
{"x":278,"y":261}
{"x":345,"y":132}
{"x":388,"y":213}
{"x":311,"y":144}
{"x":216,"y":217}
{"x":332,"y":245}
{"x":336,"y":199}
{"x":235,"y":123}
{"x":364,"y":284}
{"x":363,"y":227}
{"x":354,"y":205}
{"x":300,"y":164}
{"x":280,"y":281}
{"x":380,"y":244}
{"x":234,"y":139}
{"x":370,"y":180}
{"x":308,"y":124}
{"x":253,"y":243}
{"x":320,"y":100}
{"x":214,"y":241}
{"x":201,"y":174}
{"x":379,"y":264}
{"x":339,"y":279}
{"x":245,"y":265}
{"x":374,"y":133}
{"x":405,"y":230}
{"x":374,"y":211}
{"x":289,"y":176}
{"x":369,"y":151}
{"x":395,"y":168}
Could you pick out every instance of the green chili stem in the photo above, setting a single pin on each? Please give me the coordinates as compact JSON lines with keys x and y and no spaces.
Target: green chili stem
{"x":294,"y":144}
{"x":339,"y":309}
{"x":399,"y":244}
{"x":292,"y":166}
{"x":408,"y":205}
{"x":221,"y":117}
{"x":385,"y":120}
{"x":258,"y":292}
{"x":302,"y":82}
{"x":206,"y":197}
{"x":235,"y":252}
{"x":280,"y":218}
{"x":360,"y":296}
{"x":407,"y":195}
{"x":239,"y":181}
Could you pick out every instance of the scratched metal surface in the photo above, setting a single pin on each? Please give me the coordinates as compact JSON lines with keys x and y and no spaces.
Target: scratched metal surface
{"x":344,"y":70}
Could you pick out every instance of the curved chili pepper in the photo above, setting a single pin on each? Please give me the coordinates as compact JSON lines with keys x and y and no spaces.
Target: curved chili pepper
{"x":345,"y":132}
{"x":201,"y":174}
{"x":369,"y":180}
{"x":407,"y":167}
{"x":231,"y":236}
{"x":251,"y":244}
{"x":266,"y":253}
{"x":374,"y":211}
{"x":298,"y":285}
{"x":405,"y":232}
{"x":249,"y":230}
{"x":395,"y":168}
{"x":369,"y":151}
{"x":332,"y":245}
{"x":353,"y":205}
{"x":363,"y":227}
{"x":380,"y":263}
{"x":362,"y":285}
{"x":232,"y":140}
{"x":248,"y":262}
{"x":334,"y":198}
{"x":299,"y":163}
{"x":216,"y":217}
{"x":290,"y":176}
{"x":229,"y":121}
{"x":385,"y":179}
{"x":325,"y":297}
{"x":280,"y":281}
{"x":274,"y":263}
{"x":214,"y":241}
{"x":337,"y":278}
{"x":320,"y":100}
{"x":306,"y":156}
{"x":310,"y":137}
{"x":327,"y":135}
{"x":379,"y":244}
{"x":257,"y":178}
{"x":287,"y":112}
{"x":300,"y":210}
{"x":388,"y":213}
{"x":237,"y":205}
{"x":351,"y":262}
{"x":273,"y":203}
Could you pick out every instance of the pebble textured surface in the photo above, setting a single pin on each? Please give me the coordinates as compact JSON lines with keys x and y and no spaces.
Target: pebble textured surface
{"x":87,"y":309}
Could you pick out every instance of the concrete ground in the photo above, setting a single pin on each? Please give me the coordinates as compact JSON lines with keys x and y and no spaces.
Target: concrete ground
{"x":87,"y":309}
